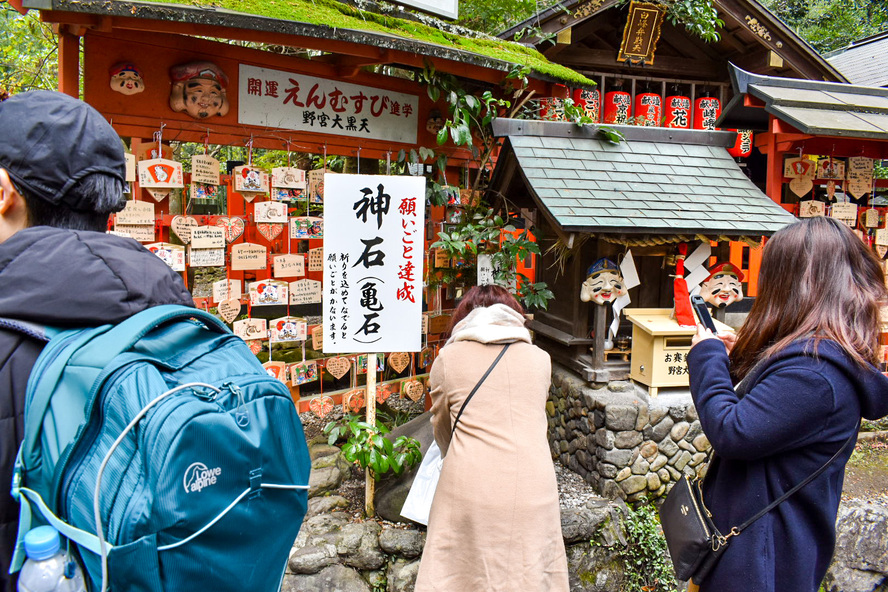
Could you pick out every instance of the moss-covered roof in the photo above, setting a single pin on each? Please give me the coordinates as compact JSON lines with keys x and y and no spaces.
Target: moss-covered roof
{"x":331,"y":19}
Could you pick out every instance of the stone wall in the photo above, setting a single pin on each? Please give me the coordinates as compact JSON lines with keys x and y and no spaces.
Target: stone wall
{"x":624,"y":443}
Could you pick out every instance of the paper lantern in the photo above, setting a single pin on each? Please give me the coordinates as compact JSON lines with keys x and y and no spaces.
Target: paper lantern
{"x":678,"y":111}
{"x":617,"y":107}
{"x":648,"y":107}
{"x":742,"y":145}
{"x":590,"y":102}
{"x":706,"y":111}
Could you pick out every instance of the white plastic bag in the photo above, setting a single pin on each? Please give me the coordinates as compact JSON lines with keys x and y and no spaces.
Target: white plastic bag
{"x":419,"y":499}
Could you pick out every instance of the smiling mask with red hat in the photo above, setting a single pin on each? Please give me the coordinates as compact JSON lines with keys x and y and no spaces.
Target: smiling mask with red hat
{"x":723,"y":286}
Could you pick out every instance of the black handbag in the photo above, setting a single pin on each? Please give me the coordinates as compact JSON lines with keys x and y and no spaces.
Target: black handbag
{"x":694,"y":542}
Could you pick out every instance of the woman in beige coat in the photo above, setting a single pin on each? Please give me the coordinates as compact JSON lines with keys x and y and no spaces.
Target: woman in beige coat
{"x":495,"y":523}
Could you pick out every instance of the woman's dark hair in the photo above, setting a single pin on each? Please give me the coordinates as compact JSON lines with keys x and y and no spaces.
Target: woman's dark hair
{"x":481,"y":297}
{"x":817,"y":278}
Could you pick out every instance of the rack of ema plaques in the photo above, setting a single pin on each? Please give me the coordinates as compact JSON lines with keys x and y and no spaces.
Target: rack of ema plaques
{"x":660,"y":348}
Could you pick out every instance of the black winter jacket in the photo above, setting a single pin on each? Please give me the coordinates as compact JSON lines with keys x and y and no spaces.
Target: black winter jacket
{"x":63,"y":278}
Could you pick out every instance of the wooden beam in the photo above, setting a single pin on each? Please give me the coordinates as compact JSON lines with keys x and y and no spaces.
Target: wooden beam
{"x":69,"y":63}
{"x":673,"y":67}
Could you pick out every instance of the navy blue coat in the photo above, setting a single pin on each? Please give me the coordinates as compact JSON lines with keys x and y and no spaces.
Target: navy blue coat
{"x":63,"y":278}
{"x":799,"y":410}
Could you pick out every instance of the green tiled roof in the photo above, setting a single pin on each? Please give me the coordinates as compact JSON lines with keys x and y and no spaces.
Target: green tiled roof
{"x":812,"y":107}
{"x":658,"y":181}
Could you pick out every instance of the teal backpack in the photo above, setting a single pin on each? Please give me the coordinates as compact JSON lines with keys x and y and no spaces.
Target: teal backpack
{"x":163,"y":449}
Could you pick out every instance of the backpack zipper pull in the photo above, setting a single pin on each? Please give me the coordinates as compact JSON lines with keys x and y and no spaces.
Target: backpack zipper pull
{"x":241,"y":417}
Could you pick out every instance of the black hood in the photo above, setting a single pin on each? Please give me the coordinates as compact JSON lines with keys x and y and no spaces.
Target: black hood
{"x":70,"y":278}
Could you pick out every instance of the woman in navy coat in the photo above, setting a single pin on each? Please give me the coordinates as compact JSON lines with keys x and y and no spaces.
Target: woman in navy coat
{"x":807,"y":351}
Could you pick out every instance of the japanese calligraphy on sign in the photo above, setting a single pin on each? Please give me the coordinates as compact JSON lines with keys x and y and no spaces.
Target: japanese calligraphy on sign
{"x":641,"y":33}
{"x":373,"y":263}
{"x":272,"y":98}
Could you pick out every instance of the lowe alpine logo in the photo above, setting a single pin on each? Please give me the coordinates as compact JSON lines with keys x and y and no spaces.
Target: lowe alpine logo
{"x":198,"y":476}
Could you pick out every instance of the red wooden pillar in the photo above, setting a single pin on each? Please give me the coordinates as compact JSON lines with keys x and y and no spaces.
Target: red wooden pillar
{"x":774,"y":183}
{"x":69,"y":62}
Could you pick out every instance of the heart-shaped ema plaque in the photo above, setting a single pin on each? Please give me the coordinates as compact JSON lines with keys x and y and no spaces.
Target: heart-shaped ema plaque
{"x":338,"y":367}
{"x":398,"y":361}
{"x":233,"y":227}
{"x":229,"y":309}
{"x":250,"y":195}
{"x":255,"y":346}
{"x":881,"y":250}
{"x":181,"y":227}
{"x":353,"y":401}
{"x":270,"y":230}
{"x":321,"y":406}
{"x":414,"y":390}
{"x":801,"y":186}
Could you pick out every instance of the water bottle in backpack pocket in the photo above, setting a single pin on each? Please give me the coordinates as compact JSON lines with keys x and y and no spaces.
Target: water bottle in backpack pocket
{"x":187,"y":466}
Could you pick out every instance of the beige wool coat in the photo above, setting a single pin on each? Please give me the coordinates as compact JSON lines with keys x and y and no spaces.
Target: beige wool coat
{"x":495,"y":523}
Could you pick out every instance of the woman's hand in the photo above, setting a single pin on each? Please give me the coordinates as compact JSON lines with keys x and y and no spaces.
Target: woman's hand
{"x":702,"y":334}
{"x":729,"y":338}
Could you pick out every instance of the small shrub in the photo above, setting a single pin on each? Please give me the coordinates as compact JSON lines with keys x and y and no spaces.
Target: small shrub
{"x":645,"y":557}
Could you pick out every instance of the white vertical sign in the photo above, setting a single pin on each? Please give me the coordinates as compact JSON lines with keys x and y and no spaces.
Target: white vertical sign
{"x":373,"y":258}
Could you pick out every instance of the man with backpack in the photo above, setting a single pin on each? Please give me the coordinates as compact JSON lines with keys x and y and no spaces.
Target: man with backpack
{"x":62,"y":173}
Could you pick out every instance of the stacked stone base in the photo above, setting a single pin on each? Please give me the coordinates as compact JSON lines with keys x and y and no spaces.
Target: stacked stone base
{"x":624,"y":443}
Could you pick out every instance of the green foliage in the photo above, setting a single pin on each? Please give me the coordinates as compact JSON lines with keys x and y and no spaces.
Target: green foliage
{"x":832,"y":24}
{"x":699,"y":17}
{"x":28,"y":52}
{"x":367,"y":446}
{"x":645,"y":563}
{"x":482,"y":232}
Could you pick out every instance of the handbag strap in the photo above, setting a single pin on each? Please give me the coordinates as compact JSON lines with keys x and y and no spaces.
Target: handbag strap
{"x":738,"y":529}
{"x":480,"y":382}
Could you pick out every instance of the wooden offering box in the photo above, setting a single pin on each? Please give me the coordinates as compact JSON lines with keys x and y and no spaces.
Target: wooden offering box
{"x":660,"y":348}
